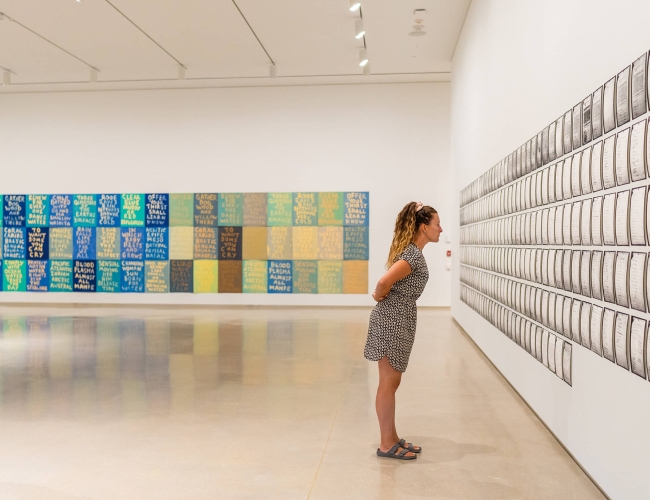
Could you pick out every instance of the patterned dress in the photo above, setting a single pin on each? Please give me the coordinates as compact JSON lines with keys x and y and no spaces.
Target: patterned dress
{"x":393,"y":320}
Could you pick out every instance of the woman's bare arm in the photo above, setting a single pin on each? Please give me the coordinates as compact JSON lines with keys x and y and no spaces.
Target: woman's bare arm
{"x":399,"y":270}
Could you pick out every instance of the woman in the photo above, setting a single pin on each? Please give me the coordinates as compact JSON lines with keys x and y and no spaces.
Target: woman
{"x":393,"y":320}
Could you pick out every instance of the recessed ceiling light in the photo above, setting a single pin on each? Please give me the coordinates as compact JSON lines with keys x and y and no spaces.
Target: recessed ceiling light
{"x":354,"y":5}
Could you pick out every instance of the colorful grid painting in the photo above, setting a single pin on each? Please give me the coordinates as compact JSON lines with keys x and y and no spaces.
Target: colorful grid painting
{"x":185,"y":243}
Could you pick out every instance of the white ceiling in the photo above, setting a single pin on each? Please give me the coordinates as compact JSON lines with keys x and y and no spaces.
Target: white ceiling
{"x":54,"y":44}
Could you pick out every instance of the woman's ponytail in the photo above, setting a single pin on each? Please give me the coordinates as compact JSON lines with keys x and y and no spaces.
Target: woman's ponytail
{"x":406,"y":226}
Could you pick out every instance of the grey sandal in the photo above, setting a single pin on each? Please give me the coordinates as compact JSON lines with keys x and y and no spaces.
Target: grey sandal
{"x":392,"y":453}
{"x":409,"y":446}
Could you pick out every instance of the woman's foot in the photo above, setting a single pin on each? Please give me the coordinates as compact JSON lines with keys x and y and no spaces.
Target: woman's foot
{"x":395,"y":451}
{"x":409,"y":446}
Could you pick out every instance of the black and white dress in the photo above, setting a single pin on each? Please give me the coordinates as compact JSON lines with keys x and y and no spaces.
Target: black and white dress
{"x":393,"y":320}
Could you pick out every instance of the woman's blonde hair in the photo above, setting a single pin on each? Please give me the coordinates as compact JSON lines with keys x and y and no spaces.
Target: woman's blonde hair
{"x":407,"y":224}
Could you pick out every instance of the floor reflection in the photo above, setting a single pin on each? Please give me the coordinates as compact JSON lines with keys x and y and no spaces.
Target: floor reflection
{"x":105,"y":365}
{"x":272,"y":403}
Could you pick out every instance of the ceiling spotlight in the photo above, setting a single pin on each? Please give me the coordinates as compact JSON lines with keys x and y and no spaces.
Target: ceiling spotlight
{"x":354,"y":5}
{"x":363,"y":58}
{"x":359,"y":30}
{"x":273,"y":71}
{"x":6,"y":77}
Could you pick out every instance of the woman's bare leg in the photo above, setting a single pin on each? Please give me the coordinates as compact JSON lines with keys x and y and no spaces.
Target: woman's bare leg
{"x":389,"y":380}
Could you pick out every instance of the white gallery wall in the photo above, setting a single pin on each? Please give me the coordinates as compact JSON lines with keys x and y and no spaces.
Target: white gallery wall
{"x":518,"y":66}
{"x":389,"y":139}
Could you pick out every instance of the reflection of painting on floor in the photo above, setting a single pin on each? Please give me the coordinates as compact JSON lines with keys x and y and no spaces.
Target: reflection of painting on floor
{"x":186,"y":243}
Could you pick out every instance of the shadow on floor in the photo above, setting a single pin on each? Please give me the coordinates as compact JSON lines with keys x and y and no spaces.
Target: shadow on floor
{"x":441,"y":450}
{"x":429,"y":476}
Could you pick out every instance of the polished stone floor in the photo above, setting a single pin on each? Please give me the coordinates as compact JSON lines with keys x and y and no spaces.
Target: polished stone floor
{"x":185,"y":404}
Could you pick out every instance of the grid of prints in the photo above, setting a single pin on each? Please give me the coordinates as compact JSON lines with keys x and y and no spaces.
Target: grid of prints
{"x":555,"y":237}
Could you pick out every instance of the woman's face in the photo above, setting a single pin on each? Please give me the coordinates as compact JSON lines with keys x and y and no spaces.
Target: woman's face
{"x":433,"y":229}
